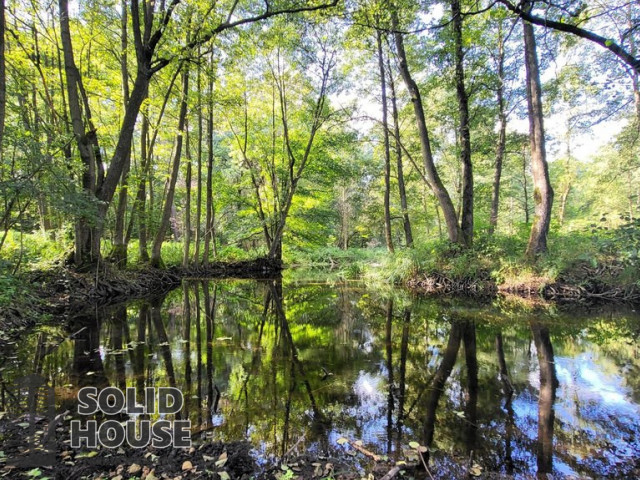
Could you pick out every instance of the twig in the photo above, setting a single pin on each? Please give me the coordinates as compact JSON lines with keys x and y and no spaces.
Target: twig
{"x":361,"y":449}
{"x":392,"y":473}
{"x":293,"y":447}
{"x":424,"y":464}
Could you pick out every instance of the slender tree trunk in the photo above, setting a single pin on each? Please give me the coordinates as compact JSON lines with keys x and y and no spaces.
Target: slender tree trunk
{"x":3,"y":79}
{"x":119,"y":253}
{"x":466,"y":218}
{"x":387,"y":153}
{"x":198,"y":238}
{"x":502,"y":137}
{"x":408,"y":234}
{"x":87,"y":239}
{"x":543,"y":192}
{"x":141,"y":213}
{"x":187,"y":207}
{"x":563,"y":202}
{"x":208,"y":229}
{"x":156,"y":250}
{"x":450,"y":216}
{"x":525,"y":187}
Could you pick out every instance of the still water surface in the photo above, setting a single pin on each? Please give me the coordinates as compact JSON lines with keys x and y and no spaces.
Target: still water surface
{"x":523,"y":390}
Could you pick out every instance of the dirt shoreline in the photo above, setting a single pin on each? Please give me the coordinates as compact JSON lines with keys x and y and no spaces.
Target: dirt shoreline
{"x":63,"y":293}
{"x":587,"y":292}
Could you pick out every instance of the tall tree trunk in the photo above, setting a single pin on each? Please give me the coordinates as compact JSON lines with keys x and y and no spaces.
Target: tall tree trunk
{"x":3,"y":78}
{"x":87,"y":239}
{"x":209,"y":220}
{"x":156,"y":250}
{"x":502,"y":136}
{"x":450,"y":216}
{"x":387,"y":153}
{"x":141,"y":211}
{"x":563,"y":202}
{"x":406,"y":223}
{"x":119,"y":253}
{"x":466,"y":217}
{"x":525,"y":187}
{"x":198,"y":235}
{"x":543,"y":193}
{"x":187,"y":207}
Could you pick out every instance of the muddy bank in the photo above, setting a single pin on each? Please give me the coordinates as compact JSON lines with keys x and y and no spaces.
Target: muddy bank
{"x":61,"y":293}
{"x":205,"y":459}
{"x":586,"y":291}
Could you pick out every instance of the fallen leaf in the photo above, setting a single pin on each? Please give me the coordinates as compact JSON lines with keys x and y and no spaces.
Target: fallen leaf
{"x":475,"y":470}
{"x":133,"y":469}
{"x":342,"y":441}
{"x":222,"y":459}
{"x":187,"y":465}
{"x":224,"y":476}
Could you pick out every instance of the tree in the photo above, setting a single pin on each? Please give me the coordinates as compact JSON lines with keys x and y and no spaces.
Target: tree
{"x":387,"y":153}
{"x":147,"y":35}
{"x":435,"y":183}
{"x":524,"y":10}
{"x":466,"y":218}
{"x":543,"y":192}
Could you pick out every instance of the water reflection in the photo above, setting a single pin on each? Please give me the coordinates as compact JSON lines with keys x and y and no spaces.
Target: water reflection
{"x":295,"y":367}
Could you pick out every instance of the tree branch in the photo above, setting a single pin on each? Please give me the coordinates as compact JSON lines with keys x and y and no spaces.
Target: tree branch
{"x":607,"y":43}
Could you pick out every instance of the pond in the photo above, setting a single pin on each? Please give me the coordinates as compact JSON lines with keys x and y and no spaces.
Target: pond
{"x":507,"y":386}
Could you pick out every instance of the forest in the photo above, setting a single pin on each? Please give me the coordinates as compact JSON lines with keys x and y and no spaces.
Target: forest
{"x":466,"y":137}
{"x":365,"y":239}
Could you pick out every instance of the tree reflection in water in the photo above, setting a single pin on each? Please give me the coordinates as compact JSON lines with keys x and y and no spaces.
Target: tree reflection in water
{"x":290,"y":367}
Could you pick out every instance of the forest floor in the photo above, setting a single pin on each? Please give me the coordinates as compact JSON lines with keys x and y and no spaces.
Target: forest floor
{"x":220,"y":461}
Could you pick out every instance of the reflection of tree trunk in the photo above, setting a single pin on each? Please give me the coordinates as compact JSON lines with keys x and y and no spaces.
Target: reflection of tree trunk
{"x":119,"y":320}
{"x":41,"y":352}
{"x":141,"y":349}
{"x":548,"y":385}
{"x":389,"y":348}
{"x":209,"y":315}
{"x":86,"y":356}
{"x":471,"y":408}
{"x":186,"y":337}
{"x":507,"y":390}
{"x":163,"y":339}
{"x":504,"y":372}
{"x":319,"y":421}
{"x":198,"y":353}
{"x":404,"y":348}
{"x":439,"y":379}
